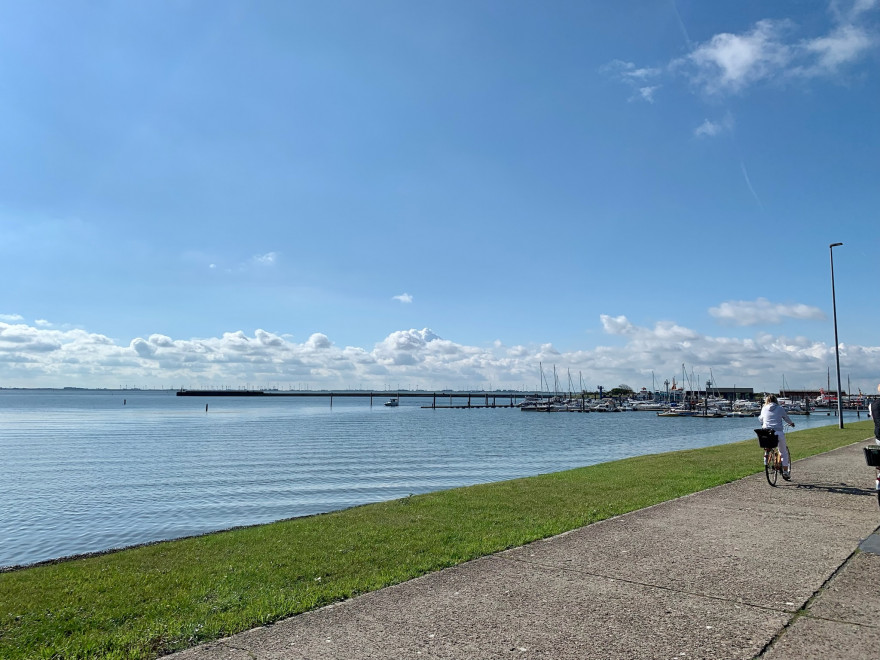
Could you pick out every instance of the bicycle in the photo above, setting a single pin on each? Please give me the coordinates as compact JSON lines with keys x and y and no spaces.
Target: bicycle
{"x":872,"y":458}
{"x":769,"y":442}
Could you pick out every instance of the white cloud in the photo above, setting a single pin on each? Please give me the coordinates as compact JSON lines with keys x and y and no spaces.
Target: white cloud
{"x":762,"y":311}
{"x":730,"y":62}
{"x":844,"y":10}
{"x":404,"y":346}
{"x":161,"y":340}
{"x":616,"y":325}
{"x":647,"y":93}
{"x":635,"y":77}
{"x":11,"y":318}
{"x":403,"y":297}
{"x":517,"y":351}
{"x":769,"y":51}
{"x":318,"y":341}
{"x":711,"y":128}
{"x":708,"y":129}
{"x":267,"y":259}
{"x":269,"y":339}
{"x":143,"y":348}
{"x":629,"y":71}
{"x":846,"y":44}
{"x":42,"y":323}
{"x":32,"y":356}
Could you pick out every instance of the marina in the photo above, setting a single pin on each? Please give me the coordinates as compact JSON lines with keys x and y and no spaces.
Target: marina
{"x":690,"y":404}
{"x":86,"y":471}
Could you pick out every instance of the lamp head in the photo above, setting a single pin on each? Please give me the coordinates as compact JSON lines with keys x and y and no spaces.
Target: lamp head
{"x":834,"y":245}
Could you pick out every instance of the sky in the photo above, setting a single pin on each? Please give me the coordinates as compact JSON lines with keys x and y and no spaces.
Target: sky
{"x":439,"y":194}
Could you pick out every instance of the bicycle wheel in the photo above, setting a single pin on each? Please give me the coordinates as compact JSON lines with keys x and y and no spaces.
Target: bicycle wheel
{"x":771,"y":460}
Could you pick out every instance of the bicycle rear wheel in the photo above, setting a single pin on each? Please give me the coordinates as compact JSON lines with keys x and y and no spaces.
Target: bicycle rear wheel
{"x":771,"y":460}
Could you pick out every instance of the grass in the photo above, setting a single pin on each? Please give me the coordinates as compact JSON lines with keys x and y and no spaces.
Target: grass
{"x":148,"y":601}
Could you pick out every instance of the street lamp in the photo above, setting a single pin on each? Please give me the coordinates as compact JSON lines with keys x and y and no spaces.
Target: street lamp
{"x":836,"y":342}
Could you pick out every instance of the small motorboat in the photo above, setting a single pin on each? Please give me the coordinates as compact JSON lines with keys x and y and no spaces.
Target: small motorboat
{"x":392,"y":403}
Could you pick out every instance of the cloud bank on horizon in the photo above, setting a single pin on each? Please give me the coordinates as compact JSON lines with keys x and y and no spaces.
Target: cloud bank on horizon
{"x":34,"y":355}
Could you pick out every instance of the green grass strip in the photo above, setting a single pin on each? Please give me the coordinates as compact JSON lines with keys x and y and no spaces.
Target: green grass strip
{"x":148,"y":601}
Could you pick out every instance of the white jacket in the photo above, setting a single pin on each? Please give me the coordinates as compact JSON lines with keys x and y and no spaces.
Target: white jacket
{"x":772,"y":416}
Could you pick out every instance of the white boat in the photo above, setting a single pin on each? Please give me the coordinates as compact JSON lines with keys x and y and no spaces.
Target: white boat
{"x":531,"y":402}
{"x":605,"y":405}
{"x":657,"y":406}
{"x":796,"y":408}
{"x":711,"y":412}
{"x":743,"y":405}
{"x":676,"y":412}
{"x":392,"y":403}
{"x":743,"y":413}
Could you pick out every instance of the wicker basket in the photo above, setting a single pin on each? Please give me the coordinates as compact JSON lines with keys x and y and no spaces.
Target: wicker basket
{"x":872,"y":456}
{"x":767,"y":438}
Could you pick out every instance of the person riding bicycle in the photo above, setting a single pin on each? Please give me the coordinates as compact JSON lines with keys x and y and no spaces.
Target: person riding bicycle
{"x":773,"y":416}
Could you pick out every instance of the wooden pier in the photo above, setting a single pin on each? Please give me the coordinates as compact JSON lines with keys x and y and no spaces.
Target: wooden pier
{"x":474,"y":399}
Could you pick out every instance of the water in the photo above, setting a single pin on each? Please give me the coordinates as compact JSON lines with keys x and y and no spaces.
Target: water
{"x":86,"y":471}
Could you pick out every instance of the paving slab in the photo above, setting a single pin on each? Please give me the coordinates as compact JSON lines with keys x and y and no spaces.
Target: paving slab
{"x":738,"y":571}
{"x":841,"y":621}
{"x":851,"y":596}
{"x":818,"y":639}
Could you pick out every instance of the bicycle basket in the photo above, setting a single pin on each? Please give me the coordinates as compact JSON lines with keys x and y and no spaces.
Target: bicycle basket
{"x":767,"y":438}
{"x":872,"y":456}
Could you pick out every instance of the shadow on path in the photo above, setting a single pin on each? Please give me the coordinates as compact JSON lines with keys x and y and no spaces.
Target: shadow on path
{"x":842,"y":488}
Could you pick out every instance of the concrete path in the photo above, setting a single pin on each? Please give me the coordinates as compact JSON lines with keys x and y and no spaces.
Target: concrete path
{"x":739,"y":571}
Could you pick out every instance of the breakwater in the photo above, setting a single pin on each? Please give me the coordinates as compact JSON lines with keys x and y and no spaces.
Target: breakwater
{"x":455,"y":399}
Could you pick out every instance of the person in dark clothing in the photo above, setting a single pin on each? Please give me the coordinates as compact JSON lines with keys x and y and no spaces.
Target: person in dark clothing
{"x":874,"y":413}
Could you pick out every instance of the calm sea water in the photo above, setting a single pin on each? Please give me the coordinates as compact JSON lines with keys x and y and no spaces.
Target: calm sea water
{"x":85,"y":471}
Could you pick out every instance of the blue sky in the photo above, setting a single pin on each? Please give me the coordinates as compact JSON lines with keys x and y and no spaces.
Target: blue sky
{"x":437,"y":194}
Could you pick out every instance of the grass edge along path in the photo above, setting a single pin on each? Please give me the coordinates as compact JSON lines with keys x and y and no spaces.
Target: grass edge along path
{"x":151,"y":600}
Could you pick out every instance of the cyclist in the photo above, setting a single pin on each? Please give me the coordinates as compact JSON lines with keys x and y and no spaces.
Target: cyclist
{"x":772,"y":417}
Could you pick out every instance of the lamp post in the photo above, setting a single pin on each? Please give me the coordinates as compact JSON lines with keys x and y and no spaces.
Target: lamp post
{"x":836,"y":342}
